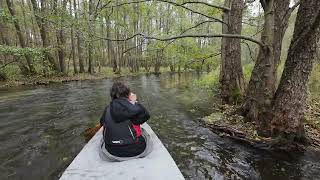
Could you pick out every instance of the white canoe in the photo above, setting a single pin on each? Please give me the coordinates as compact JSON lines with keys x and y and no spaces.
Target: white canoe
{"x":88,"y":165}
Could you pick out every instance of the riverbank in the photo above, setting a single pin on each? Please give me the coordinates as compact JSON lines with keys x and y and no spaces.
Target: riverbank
{"x":40,"y":80}
{"x":226,"y":123}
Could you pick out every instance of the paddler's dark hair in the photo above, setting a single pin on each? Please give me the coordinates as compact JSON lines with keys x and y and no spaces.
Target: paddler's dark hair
{"x":119,"y":90}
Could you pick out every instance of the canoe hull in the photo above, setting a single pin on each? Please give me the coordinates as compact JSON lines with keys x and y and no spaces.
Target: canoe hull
{"x":158,"y":165}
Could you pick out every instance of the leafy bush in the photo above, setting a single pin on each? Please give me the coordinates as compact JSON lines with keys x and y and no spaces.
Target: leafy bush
{"x":210,"y":81}
{"x":10,"y":72}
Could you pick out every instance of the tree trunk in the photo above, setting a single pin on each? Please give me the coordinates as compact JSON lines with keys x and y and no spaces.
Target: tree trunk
{"x":73,"y":52}
{"x":290,"y":98}
{"x":20,"y":36}
{"x":79,"y":40}
{"x":231,"y":74}
{"x":60,"y":34}
{"x":262,"y":85}
{"x":5,"y":40}
{"x":42,"y":23}
{"x":90,"y":29}
{"x":281,"y":20}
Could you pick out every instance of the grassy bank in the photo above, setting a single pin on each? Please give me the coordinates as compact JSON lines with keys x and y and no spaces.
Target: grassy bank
{"x":14,"y":79}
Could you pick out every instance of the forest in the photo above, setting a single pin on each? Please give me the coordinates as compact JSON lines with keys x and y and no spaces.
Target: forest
{"x":231,"y":86}
{"x":262,"y":53}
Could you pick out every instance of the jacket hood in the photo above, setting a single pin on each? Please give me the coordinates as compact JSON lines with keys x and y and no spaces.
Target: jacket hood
{"x":121,"y":110}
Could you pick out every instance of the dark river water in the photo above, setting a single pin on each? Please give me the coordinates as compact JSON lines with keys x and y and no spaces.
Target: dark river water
{"x":41,"y":131}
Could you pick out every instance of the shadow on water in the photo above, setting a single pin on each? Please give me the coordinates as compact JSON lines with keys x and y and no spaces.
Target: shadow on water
{"x":41,"y":127}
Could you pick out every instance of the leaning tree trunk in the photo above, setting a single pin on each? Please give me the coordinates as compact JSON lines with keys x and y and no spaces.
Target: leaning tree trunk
{"x":20,"y":36}
{"x":281,"y":20}
{"x":262,"y":85}
{"x":231,"y":74}
{"x":290,"y":98}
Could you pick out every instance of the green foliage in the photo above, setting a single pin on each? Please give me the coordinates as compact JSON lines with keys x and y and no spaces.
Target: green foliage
{"x":247,"y":70}
{"x":5,"y":16}
{"x":209,"y":81}
{"x":17,"y":51}
{"x":11,"y":72}
{"x":237,"y":95}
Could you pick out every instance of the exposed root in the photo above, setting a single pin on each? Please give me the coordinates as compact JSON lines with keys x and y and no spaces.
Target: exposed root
{"x":227,"y":124}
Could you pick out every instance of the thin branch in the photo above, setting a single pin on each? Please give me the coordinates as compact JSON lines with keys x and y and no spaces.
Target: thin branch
{"x":196,"y":12}
{"x":188,"y":30}
{"x":203,"y":59}
{"x":207,"y":36}
{"x":289,"y":11}
{"x":188,"y":36}
{"x":207,"y":4}
{"x":203,"y":22}
{"x":195,"y":26}
{"x":250,"y":51}
{"x":249,"y":24}
{"x":96,"y":9}
{"x":119,"y":40}
{"x":131,"y":48}
{"x":169,"y":2}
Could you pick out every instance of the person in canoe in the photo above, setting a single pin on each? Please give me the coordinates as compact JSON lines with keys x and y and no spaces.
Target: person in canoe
{"x":123,"y":138}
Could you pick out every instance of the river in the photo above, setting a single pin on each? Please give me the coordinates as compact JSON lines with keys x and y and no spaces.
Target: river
{"x":41,"y":131}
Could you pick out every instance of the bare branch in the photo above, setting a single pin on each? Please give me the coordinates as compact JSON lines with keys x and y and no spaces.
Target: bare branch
{"x":249,"y":24}
{"x":289,"y":11}
{"x":203,"y":59}
{"x":96,"y":9}
{"x":188,"y":36}
{"x":207,"y":4}
{"x":250,"y":51}
{"x":119,"y":40}
{"x":203,"y":22}
{"x":208,"y":36}
{"x":169,"y":2}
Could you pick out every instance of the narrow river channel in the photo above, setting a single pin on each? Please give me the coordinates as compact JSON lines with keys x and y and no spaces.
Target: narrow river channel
{"x":41,"y":131}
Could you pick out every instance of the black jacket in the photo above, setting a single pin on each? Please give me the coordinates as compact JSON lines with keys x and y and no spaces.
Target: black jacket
{"x":117,"y":121}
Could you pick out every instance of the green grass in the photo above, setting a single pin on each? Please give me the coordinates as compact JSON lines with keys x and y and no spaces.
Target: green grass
{"x":209,"y":81}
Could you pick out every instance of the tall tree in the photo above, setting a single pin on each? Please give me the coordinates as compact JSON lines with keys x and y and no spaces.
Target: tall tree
{"x":79,"y":39}
{"x":73,"y":49}
{"x":43,"y":26}
{"x":262,"y":84}
{"x":231,"y":74}
{"x":20,"y":35}
{"x":91,"y":27}
{"x":6,"y":41}
{"x":60,"y":13}
{"x":290,"y":98}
